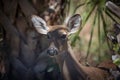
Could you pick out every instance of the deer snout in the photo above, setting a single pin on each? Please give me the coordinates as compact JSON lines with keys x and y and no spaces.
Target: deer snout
{"x":52,"y":51}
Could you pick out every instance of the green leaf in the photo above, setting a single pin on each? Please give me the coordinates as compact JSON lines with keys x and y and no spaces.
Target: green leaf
{"x":117,"y":61}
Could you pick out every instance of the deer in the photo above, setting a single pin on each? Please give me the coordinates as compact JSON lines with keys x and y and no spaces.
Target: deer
{"x":61,"y":50}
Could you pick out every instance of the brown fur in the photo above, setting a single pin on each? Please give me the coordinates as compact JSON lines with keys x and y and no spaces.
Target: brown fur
{"x":71,"y":68}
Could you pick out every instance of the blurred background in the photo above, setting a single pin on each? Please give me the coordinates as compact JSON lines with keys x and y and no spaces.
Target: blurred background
{"x":93,"y":43}
{"x":90,"y":43}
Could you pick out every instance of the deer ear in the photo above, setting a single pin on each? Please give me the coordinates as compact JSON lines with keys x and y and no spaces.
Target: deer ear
{"x":39,"y":24}
{"x":74,"y":23}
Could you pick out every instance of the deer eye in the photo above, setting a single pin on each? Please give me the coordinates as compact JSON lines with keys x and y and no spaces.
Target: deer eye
{"x":63,"y":36}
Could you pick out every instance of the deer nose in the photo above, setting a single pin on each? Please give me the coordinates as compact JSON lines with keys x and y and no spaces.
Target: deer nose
{"x":52,"y":51}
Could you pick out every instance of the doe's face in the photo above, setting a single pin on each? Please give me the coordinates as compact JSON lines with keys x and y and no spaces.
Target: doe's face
{"x":58,"y":41}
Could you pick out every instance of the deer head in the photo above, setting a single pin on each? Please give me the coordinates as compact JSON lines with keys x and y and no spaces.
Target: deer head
{"x":57,"y":34}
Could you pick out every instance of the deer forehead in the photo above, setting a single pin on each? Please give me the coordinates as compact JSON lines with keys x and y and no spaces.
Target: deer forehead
{"x":58,"y":29}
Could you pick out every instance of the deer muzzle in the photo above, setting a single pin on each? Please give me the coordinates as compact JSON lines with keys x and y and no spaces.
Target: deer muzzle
{"x":52,"y":51}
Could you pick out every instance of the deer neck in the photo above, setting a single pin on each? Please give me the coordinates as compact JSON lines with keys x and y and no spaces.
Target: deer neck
{"x":72,"y":69}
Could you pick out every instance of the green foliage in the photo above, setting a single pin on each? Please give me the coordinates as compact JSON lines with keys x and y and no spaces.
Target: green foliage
{"x":117,"y":61}
{"x":95,"y":12}
{"x":116,"y":48}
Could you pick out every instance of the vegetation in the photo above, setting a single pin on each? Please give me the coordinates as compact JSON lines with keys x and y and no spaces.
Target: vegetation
{"x":91,"y":40}
{"x":96,"y":19}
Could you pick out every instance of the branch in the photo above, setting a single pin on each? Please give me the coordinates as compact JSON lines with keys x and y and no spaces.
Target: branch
{"x":10,"y":28}
{"x":113,"y":8}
